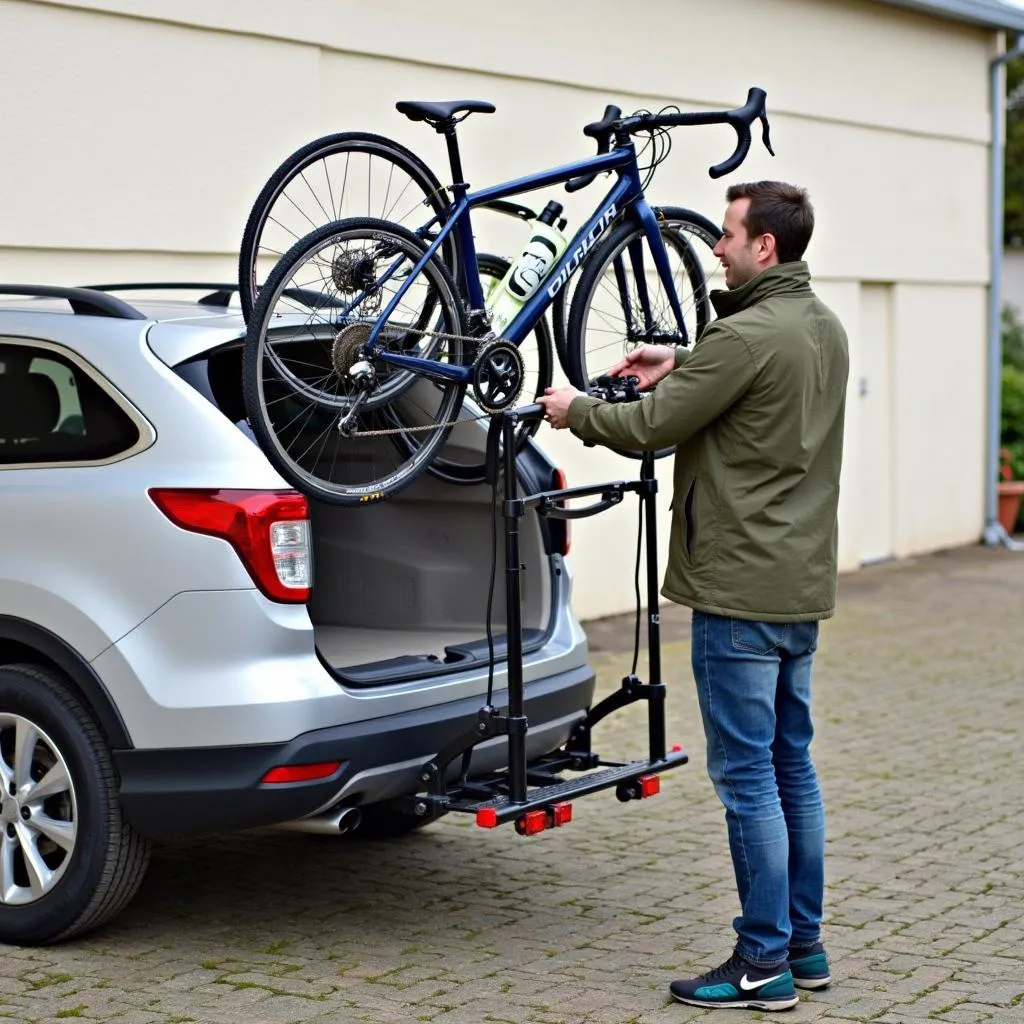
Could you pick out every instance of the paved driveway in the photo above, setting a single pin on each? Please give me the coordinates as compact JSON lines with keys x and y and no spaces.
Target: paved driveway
{"x":920,"y":706}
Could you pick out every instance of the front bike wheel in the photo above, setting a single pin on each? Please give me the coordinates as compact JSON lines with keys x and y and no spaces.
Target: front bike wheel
{"x":344,"y":175}
{"x":615,"y":308}
{"x":461,"y":461}
{"x":336,"y":420}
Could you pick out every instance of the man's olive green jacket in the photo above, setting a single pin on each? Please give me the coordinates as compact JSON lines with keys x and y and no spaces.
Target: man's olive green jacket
{"x":756,"y":410}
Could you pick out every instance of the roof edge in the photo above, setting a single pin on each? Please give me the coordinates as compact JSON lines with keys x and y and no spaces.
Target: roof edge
{"x":992,"y":14}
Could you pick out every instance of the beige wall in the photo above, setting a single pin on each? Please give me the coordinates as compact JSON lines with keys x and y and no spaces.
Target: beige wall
{"x":136,"y":134}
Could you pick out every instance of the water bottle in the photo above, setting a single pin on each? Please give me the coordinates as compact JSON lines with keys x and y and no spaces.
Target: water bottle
{"x":545,"y":245}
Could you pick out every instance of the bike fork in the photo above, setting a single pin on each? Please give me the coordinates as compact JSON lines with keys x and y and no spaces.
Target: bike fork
{"x":656,"y":244}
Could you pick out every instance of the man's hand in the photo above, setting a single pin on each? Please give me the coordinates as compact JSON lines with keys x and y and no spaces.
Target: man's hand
{"x":648,"y":362}
{"x":556,"y":405}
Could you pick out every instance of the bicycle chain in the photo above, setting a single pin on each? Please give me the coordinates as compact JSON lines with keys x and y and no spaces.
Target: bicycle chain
{"x":415,"y":430}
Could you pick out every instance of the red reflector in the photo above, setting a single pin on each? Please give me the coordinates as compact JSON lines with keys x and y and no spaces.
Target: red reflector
{"x":302,"y":772}
{"x":649,"y":785}
{"x":532,"y":822}
{"x":676,"y":748}
{"x":254,"y":523}
{"x":561,"y":814}
{"x":487,"y":817}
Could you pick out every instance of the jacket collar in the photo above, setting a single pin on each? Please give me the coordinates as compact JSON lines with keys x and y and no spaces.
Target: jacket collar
{"x":783,"y":279}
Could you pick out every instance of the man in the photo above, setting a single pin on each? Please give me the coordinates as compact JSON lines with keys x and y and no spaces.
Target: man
{"x":756,"y":409}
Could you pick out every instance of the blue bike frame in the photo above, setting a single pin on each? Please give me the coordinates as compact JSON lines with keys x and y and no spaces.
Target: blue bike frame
{"x":625,"y":195}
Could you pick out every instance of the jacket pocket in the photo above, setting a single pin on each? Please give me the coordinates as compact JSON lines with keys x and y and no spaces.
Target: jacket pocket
{"x":689,"y":521}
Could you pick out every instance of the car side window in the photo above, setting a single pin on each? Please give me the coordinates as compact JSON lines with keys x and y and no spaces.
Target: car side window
{"x":52,"y":410}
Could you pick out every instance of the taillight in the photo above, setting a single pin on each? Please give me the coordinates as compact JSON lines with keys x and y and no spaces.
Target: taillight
{"x":561,"y":814}
{"x":561,"y":484}
{"x":268,"y":529}
{"x":650,"y":785}
{"x":487,"y":817}
{"x":532,"y":822}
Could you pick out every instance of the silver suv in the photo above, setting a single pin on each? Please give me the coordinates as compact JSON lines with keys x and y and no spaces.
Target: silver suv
{"x":187,"y":646}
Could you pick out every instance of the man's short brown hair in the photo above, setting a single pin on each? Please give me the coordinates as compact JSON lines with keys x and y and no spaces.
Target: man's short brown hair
{"x":777,"y":209}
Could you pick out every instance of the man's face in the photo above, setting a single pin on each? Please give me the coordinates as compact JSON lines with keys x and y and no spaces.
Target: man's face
{"x":742,"y":257}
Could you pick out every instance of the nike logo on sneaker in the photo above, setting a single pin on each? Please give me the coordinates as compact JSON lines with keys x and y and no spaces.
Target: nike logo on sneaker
{"x":748,"y":986}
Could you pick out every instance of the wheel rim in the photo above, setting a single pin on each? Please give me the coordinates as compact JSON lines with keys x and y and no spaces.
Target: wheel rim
{"x":331,"y":186}
{"x":39,"y":816}
{"x":313,"y":311}
{"x":301,"y":385}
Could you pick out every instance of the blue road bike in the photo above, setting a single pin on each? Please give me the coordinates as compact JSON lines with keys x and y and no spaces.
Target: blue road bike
{"x":362,"y":344}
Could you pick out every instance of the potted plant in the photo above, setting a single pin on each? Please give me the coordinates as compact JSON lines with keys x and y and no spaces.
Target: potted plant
{"x":1011,"y":486}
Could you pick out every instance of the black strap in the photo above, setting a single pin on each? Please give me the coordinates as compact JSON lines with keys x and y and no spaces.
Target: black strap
{"x":492,"y":458}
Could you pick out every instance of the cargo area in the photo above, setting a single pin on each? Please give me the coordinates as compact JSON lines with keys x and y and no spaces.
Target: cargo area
{"x":402,"y":587}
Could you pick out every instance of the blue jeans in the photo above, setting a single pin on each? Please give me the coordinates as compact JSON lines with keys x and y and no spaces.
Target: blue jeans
{"x":754,"y":688}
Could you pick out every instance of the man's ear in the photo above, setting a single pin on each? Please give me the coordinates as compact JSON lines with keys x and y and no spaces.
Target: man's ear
{"x":767,"y":247}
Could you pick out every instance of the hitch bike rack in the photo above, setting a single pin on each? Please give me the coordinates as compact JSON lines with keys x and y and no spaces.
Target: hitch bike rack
{"x":533,"y":795}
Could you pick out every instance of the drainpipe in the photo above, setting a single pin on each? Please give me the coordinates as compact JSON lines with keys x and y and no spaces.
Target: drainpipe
{"x":994,"y":533}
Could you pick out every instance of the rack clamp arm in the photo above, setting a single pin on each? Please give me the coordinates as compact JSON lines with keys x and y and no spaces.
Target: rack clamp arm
{"x":490,"y":722}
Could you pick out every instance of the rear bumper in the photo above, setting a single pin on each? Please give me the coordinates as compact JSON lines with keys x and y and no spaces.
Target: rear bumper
{"x":175,"y":793}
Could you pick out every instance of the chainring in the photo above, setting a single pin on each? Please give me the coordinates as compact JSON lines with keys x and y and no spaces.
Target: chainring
{"x":498,"y":376}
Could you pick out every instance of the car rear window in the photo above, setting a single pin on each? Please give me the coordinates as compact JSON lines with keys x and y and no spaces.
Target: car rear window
{"x":52,"y":410}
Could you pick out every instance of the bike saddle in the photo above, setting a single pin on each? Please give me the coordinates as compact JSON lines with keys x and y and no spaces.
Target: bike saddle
{"x":420,"y":110}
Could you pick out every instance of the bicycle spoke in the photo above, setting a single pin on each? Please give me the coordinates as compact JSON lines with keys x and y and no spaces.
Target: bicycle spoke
{"x":344,"y":184}
{"x":316,"y":198}
{"x":389,"y":212}
{"x":309,"y":220}
{"x":330,"y":190}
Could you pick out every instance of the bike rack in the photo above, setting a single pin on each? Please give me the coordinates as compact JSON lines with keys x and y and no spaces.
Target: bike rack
{"x":533,"y":795}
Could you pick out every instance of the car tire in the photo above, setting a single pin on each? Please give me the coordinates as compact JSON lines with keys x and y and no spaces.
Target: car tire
{"x":68,"y":859}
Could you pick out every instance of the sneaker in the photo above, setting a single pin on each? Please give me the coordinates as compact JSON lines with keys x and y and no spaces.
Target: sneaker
{"x":809,"y":965}
{"x":738,"y":983}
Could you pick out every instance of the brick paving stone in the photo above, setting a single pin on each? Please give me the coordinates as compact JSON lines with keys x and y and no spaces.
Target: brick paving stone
{"x":920,"y":715}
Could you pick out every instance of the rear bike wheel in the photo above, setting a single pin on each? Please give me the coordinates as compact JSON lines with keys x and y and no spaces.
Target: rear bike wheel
{"x":608,"y":317}
{"x":338,"y":176}
{"x":461,"y":460}
{"x":306,"y":374}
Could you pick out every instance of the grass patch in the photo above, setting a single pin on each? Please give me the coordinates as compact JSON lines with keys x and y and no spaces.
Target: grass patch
{"x":945,"y":1009}
{"x":276,"y":947}
{"x":51,"y":979}
{"x":323,"y":997}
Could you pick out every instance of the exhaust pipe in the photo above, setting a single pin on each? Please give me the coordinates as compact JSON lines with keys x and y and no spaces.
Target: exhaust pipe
{"x":334,"y":823}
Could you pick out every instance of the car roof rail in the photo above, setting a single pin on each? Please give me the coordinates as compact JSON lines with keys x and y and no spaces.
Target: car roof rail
{"x":220,"y":294}
{"x":84,"y":301}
